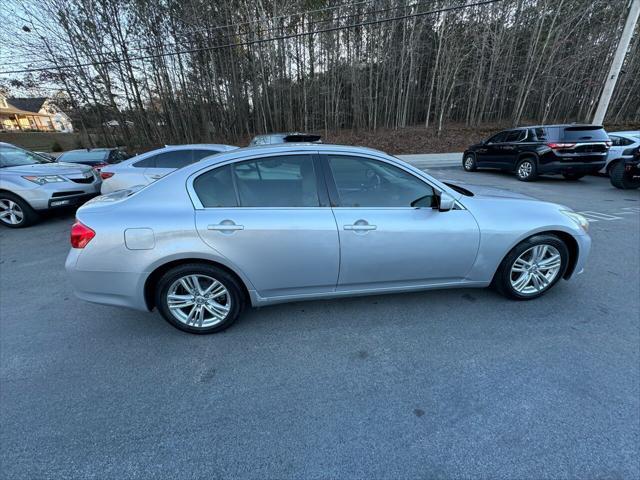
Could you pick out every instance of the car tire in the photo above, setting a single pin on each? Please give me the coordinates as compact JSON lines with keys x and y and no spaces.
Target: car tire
{"x":618,"y":180}
{"x":572,"y":177}
{"x":15,"y":212}
{"x":469,"y":163}
{"x":511,"y":277}
{"x":526,"y":170}
{"x":227,"y":304}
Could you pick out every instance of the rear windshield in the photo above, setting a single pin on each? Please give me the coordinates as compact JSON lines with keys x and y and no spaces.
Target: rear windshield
{"x":84,"y":156}
{"x":584,"y":134}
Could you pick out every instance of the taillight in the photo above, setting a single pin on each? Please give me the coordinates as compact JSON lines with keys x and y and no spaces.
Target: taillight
{"x":105,"y":175}
{"x":81,"y":235}
{"x":561,"y":145}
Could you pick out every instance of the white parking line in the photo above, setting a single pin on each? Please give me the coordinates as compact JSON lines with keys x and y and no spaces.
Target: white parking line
{"x":596,"y":216}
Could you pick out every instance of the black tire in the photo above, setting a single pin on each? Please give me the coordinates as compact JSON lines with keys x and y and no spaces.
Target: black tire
{"x":469,"y":163}
{"x":618,"y":179}
{"x":235,"y":296}
{"x":572,"y":177}
{"x":502,"y":278}
{"x":29,"y":215}
{"x":527,"y":174}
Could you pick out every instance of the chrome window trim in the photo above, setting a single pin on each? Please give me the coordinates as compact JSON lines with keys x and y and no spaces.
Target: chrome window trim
{"x":419,"y":174}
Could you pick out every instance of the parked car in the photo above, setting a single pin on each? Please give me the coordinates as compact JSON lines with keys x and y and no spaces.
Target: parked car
{"x":622,"y":148}
{"x":97,"y":158}
{"x":262,"y":225}
{"x":571,"y":150}
{"x":625,"y":174}
{"x":47,"y":156}
{"x":290,"y":137}
{"x":30,"y":184}
{"x":150,"y":166}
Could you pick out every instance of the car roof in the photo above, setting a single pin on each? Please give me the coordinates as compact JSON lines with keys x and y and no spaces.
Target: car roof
{"x":560,"y":125}
{"x":99,"y":149}
{"x":203,"y":146}
{"x":293,"y":147}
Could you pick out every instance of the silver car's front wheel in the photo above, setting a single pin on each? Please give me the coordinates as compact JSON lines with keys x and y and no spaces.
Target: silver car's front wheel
{"x":15,"y":212}
{"x":198,"y":301}
{"x":199,"y":298}
{"x":535,"y":269}
{"x":10,"y":212}
{"x":532,"y":267}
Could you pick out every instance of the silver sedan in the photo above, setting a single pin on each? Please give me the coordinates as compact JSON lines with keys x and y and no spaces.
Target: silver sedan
{"x":262,"y":225}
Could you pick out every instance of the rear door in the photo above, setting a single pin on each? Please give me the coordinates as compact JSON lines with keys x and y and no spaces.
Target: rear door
{"x":507,"y":151}
{"x":385,"y":242}
{"x":270,"y":216}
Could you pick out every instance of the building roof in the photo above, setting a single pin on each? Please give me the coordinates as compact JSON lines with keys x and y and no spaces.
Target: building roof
{"x":28,"y":104}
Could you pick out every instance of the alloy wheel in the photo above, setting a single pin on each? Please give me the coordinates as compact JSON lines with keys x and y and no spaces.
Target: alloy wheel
{"x":535,"y":269}
{"x":525,"y":169}
{"x":10,"y":212}
{"x":468,"y":163}
{"x":198,"y":301}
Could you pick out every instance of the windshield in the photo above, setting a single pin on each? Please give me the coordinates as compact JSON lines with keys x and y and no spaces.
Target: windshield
{"x":83,"y":156}
{"x":15,"y":157}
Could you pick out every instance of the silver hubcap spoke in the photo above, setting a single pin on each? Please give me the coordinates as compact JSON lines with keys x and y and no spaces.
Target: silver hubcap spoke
{"x":535,"y":269}
{"x":468,"y":162}
{"x":199,"y":301}
{"x":10,"y":212}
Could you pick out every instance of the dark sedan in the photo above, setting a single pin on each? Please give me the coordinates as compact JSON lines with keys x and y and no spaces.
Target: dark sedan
{"x":94,"y":157}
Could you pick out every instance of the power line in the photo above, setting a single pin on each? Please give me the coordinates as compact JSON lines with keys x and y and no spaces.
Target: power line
{"x":271,"y":29}
{"x":220,"y":27}
{"x":253,"y":42}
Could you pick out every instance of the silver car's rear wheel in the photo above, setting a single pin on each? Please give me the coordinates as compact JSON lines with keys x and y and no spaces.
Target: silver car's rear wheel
{"x":199,"y":297}
{"x":198,"y":301}
{"x":535,"y":269}
{"x":10,"y":212}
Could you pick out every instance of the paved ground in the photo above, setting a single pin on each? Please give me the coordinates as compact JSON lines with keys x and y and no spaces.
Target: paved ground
{"x":445,"y":384}
{"x":431,"y":160}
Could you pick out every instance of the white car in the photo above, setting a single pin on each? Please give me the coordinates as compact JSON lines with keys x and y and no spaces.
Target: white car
{"x":150,"y":166}
{"x":622,"y":145}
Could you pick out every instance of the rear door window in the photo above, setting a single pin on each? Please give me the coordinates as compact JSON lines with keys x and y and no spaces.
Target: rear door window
{"x":283,"y":181}
{"x":584,"y":134}
{"x":215,"y":188}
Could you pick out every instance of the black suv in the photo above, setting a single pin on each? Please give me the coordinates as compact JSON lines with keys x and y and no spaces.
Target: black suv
{"x":572,"y":150}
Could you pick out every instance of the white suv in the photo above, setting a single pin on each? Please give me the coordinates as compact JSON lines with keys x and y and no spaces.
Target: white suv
{"x":150,"y":166}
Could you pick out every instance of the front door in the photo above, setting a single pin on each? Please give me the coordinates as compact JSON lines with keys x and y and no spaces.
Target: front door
{"x":488,"y":155}
{"x":386,"y":242}
{"x":270,"y":218}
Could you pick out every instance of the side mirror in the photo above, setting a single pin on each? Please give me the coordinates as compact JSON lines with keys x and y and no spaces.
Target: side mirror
{"x":445,"y":202}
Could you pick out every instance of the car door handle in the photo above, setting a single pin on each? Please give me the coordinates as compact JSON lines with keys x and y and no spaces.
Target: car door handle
{"x":225,"y":227}
{"x":157,"y":176}
{"x":360,"y":227}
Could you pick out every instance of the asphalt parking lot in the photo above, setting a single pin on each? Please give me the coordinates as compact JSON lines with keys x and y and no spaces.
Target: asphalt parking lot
{"x":442,"y":384}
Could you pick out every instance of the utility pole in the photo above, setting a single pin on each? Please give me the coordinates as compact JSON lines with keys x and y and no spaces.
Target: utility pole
{"x":616,"y":65}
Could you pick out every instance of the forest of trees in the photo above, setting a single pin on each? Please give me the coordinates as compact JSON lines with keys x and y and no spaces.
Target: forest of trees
{"x":204,"y":70}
